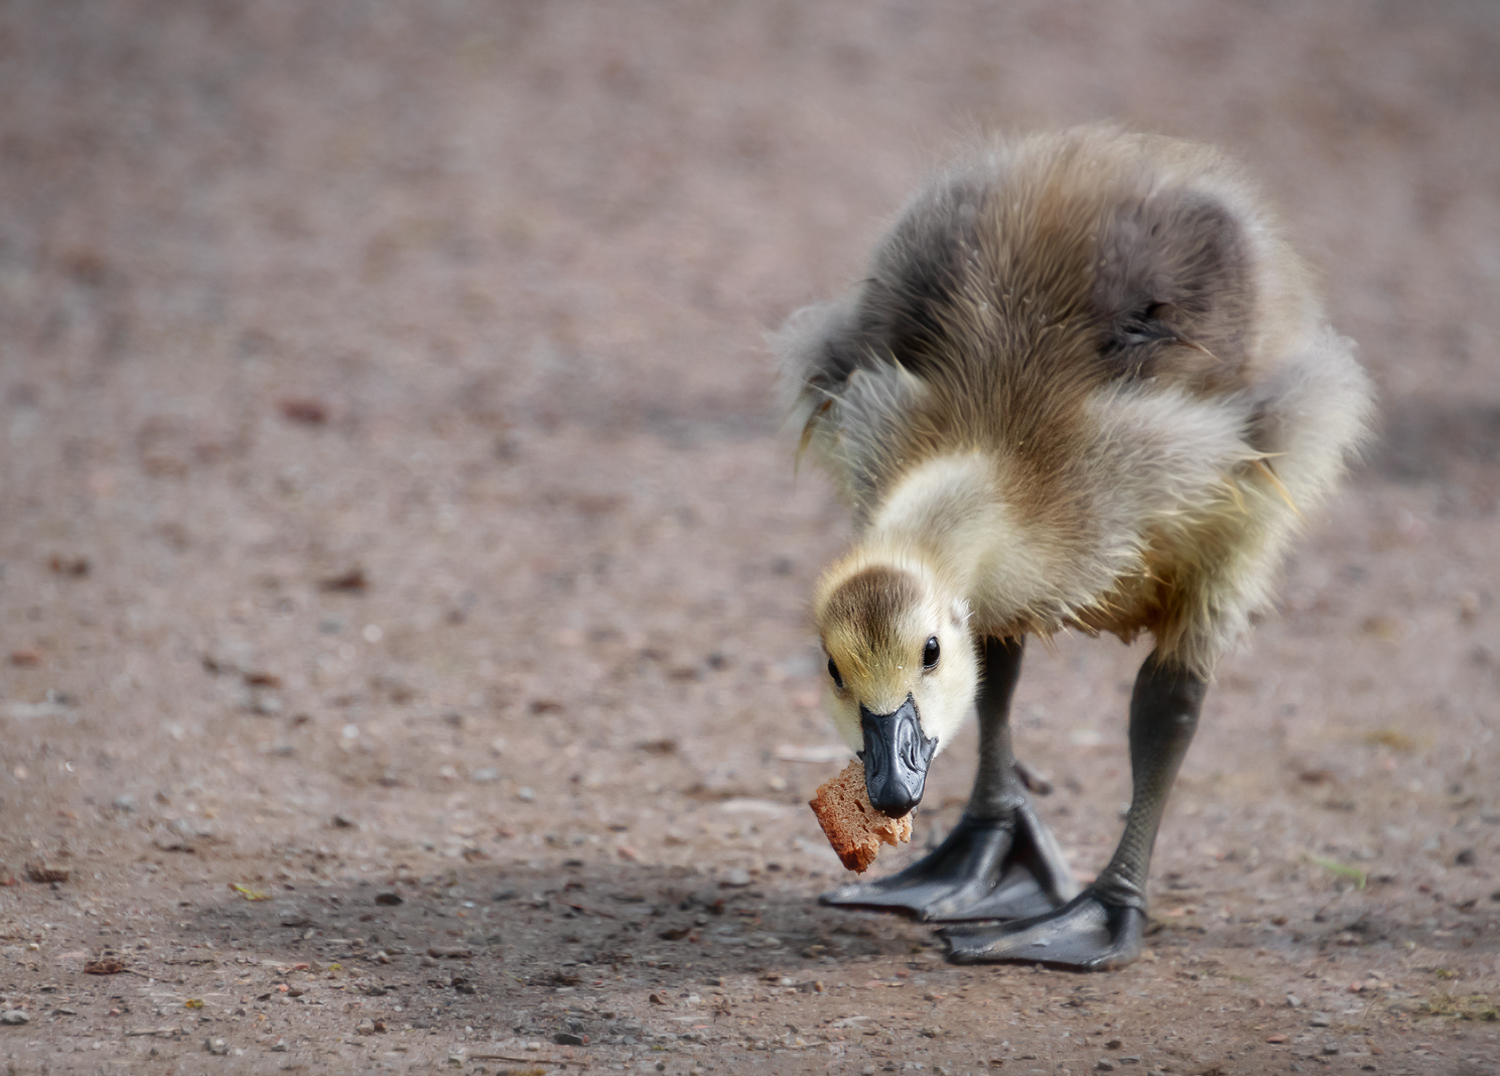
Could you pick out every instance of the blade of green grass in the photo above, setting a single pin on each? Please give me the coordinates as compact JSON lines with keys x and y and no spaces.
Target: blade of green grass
{"x":1343,"y":870}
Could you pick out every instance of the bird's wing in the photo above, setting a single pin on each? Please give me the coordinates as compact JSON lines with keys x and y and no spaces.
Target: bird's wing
{"x":841,"y":394}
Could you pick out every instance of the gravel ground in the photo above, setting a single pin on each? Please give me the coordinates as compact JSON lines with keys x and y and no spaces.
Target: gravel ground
{"x":404,"y":661}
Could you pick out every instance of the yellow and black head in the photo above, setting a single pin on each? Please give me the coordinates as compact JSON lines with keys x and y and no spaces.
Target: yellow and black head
{"x":902,"y":670}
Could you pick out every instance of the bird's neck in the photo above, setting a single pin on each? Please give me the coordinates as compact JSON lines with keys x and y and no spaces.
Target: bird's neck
{"x":953,"y":514}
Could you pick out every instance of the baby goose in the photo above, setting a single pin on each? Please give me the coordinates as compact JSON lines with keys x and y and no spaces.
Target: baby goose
{"x":1086,"y":384}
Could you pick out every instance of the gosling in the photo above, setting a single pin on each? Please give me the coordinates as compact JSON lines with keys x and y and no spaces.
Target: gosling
{"x":1085,"y":384}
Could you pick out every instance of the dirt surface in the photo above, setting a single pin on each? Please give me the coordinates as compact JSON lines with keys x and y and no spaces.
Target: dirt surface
{"x":404,"y":662}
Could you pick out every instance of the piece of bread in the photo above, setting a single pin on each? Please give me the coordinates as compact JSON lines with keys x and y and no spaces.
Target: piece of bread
{"x":853,"y":825}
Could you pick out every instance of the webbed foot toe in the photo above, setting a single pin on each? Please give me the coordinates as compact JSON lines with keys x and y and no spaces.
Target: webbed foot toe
{"x":1005,"y":868}
{"x":1086,"y":934}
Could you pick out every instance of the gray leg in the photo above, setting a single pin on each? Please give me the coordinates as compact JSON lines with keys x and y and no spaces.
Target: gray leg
{"x":1102,"y":926}
{"x":1000,"y":861}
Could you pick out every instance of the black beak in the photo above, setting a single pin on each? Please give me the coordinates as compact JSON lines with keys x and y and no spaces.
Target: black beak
{"x":896,"y":757}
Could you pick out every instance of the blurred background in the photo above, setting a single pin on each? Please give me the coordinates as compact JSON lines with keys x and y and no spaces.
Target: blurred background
{"x":386,"y":422}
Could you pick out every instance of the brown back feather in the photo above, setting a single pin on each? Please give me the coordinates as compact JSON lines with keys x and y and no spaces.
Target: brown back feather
{"x":1017,"y":285}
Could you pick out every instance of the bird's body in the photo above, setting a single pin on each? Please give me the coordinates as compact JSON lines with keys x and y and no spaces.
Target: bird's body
{"x":1084,"y":385}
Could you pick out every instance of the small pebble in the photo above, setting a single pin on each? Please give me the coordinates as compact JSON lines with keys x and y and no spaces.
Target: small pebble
{"x":1106,"y":1065}
{"x":564,"y":1038}
{"x":1330,"y":1050}
{"x":14,"y":1016}
{"x":1294,"y":1001}
{"x":264,"y":705}
{"x":1320,"y":1019}
{"x":735,"y":878}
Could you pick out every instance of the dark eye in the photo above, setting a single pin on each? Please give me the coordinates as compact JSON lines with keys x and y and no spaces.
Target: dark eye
{"x":930,"y":653}
{"x":833,"y":671}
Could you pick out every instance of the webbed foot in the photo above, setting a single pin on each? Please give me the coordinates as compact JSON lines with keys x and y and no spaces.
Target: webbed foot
{"x":1003,"y":868}
{"x":1087,"y":934}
